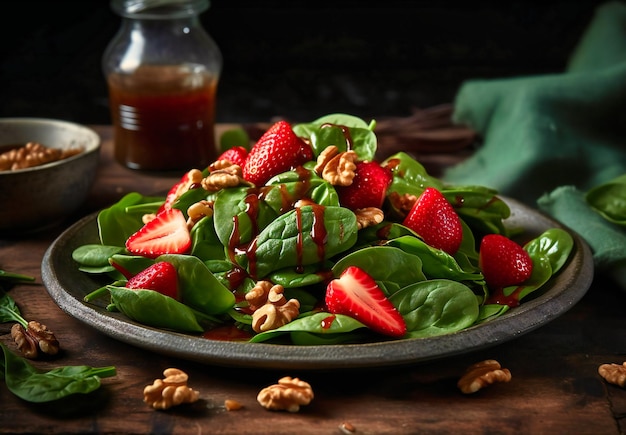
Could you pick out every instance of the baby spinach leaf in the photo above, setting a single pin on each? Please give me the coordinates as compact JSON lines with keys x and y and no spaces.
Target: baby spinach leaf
{"x":306,"y":235}
{"x":479,"y":207}
{"x":554,"y":243}
{"x":542,"y":272}
{"x":33,"y":385}
{"x":198,"y":286}
{"x":341,"y":130}
{"x":154,"y":309}
{"x":239,"y":214}
{"x":9,"y":311}
{"x":409,"y":176}
{"x":319,"y":323}
{"x":290,"y":277}
{"x":94,"y":257}
{"x":436,"y":307}
{"x":204,"y":241}
{"x":609,"y":199}
{"x":116,"y":224}
{"x":386,"y":264}
{"x":491,"y":311}
{"x":435,"y":262}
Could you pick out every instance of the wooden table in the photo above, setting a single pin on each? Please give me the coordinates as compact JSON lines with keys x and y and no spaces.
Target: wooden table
{"x":555,"y":387}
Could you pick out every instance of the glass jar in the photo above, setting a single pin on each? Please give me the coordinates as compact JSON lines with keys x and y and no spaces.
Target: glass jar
{"x":162,"y":71}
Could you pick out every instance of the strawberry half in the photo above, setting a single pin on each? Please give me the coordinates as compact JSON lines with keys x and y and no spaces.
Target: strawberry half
{"x":368,"y":188}
{"x":436,"y":221}
{"x":167,"y":233}
{"x":503,"y":262}
{"x":237,"y":155}
{"x":357,"y":295}
{"x":278,"y":150}
{"x":161,"y":277}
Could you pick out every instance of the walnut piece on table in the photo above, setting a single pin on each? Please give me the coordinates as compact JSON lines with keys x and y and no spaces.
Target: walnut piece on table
{"x":170,"y":391}
{"x":613,"y":373}
{"x":34,"y":338}
{"x":287,"y":395}
{"x":482,"y":374}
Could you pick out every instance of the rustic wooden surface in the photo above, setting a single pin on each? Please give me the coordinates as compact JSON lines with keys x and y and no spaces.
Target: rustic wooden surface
{"x":555,"y":386}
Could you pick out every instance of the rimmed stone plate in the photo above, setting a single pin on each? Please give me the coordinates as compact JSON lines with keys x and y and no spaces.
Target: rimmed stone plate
{"x":67,"y":286}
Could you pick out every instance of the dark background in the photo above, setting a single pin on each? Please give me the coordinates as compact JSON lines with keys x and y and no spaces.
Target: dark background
{"x":294,"y":60}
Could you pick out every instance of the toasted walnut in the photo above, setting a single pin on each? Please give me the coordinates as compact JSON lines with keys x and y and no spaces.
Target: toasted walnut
{"x":34,"y":154}
{"x":271,"y":309}
{"x":222,"y":175}
{"x":402,"y":203}
{"x":171,"y":391}
{"x":289,"y":394}
{"x":614,"y":373}
{"x":338,"y":168}
{"x":347,"y":428}
{"x":232,"y":405}
{"x":481,"y":375}
{"x":36,"y":337}
{"x":368,"y":216}
{"x":199,"y":210}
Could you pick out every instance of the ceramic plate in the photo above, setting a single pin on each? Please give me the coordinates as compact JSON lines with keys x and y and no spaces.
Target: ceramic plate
{"x":67,"y":287}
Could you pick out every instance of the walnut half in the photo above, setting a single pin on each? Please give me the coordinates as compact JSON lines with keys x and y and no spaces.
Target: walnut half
{"x":614,"y":373}
{"x":171,"y":391}
{"x":271,"y":309}
{"x":288,"y":395}
{"x":34,"y":338}
{"x":483,"y":374}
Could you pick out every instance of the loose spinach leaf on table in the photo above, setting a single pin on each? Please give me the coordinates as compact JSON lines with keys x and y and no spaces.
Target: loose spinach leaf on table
{"x":34,"y":385}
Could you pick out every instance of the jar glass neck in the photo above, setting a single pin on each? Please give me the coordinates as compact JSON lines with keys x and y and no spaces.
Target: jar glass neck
{"x":159,"y":9}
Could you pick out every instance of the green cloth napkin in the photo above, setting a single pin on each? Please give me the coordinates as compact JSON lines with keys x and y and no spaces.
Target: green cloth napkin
{"x":549,"y":138}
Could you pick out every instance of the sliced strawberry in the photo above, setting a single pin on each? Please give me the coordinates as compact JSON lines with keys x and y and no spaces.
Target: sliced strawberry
{"x":188,"y":181}
{"x":357,"y":295}
{"x":368,"y":187}
{"x":161,"y":277}
{"x":278,"y":150}
{"x":503,"y":262}
{"x":167,"y":233}
{"x":436,"y":221}
{"x":236,"y":155}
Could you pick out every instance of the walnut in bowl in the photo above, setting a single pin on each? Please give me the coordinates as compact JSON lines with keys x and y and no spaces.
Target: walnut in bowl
{"x":47,"y":168}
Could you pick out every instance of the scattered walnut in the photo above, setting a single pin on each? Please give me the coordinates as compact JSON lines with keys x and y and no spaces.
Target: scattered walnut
{"x":289,"y":394}
{"x":197,"y":211}
{"x":228,"y":175}
{"x":614,"y":373}
{"x":232,"y":405}
{"x":271,"y":309}
{"x":34,"y":154}
{"x":36,"y":337}
{"x":369,"y":216}
{"x":347,"y":428}
{"x":481,"y":375}
{"x":338,"y":168}
{"x":171,"y":391}
{"x":402,"y":203}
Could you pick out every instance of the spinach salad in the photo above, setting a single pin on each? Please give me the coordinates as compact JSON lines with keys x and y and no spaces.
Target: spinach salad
{"x":435,"y":292}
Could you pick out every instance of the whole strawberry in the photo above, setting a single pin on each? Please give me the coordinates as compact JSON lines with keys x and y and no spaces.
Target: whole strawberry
{"x":161,"y":277}
{"x":368,"y":188}
{"x":503,"y":262}
{"x":436,"y":221}
{"x":237,"y":155}
{"x":278,"y":150}
{"x":356,"y":294}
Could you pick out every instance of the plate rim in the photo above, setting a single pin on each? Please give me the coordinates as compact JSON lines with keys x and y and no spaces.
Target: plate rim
{"x":563,"y":293}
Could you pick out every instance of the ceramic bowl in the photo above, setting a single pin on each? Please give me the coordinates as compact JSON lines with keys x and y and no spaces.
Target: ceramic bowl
{"x":42,"y":196}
